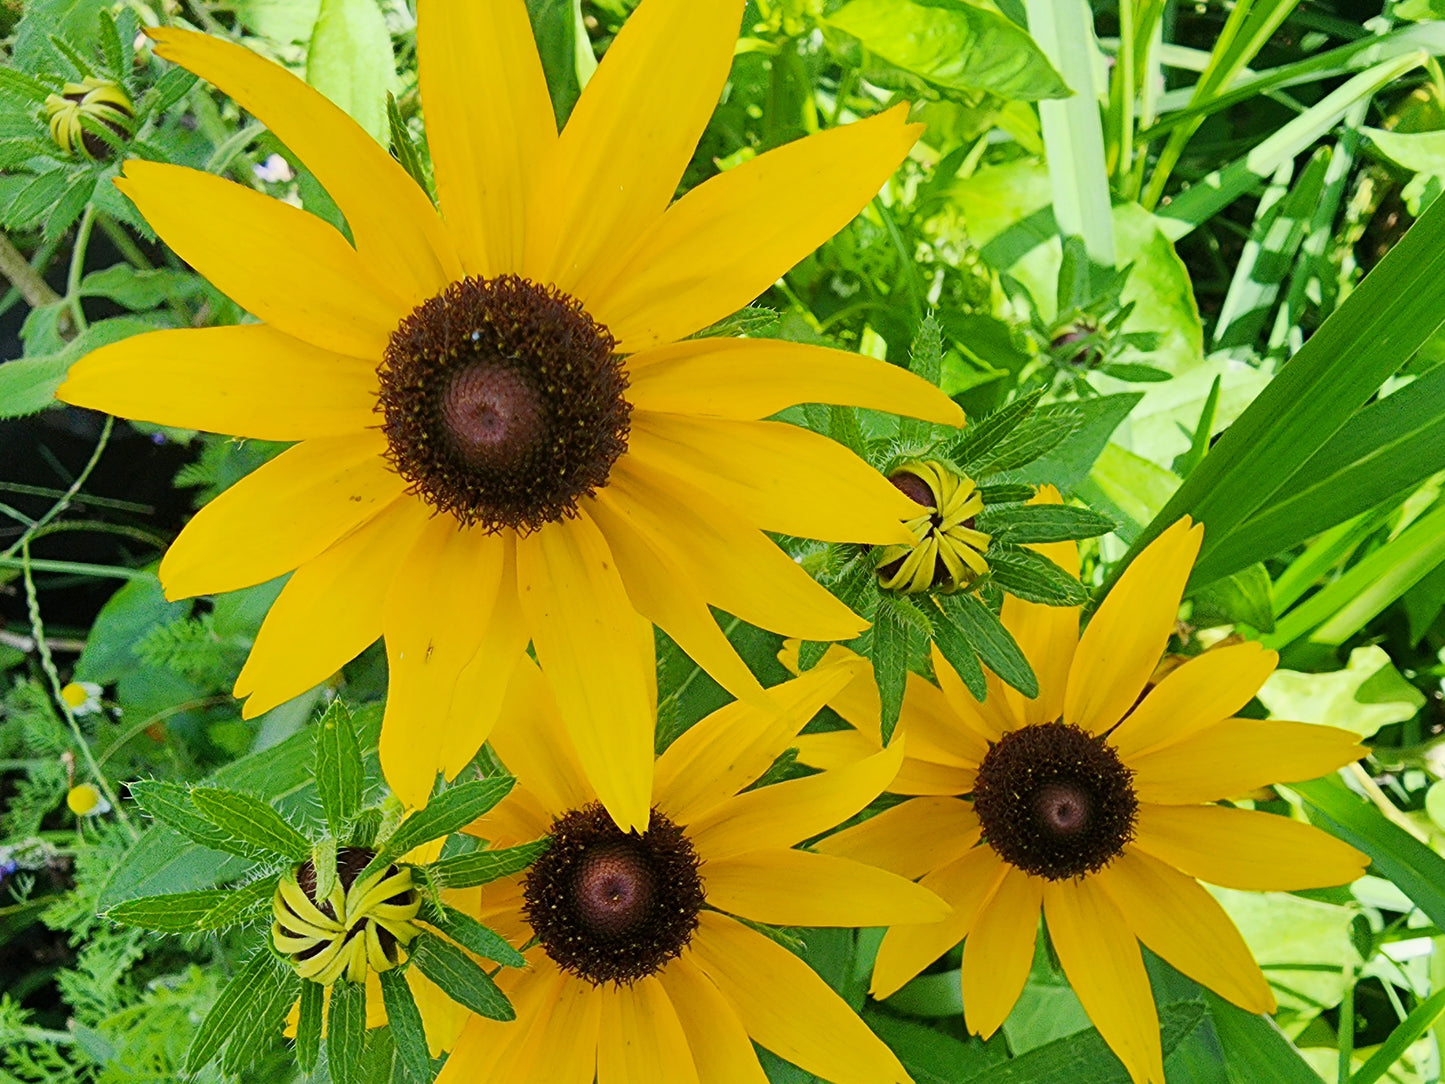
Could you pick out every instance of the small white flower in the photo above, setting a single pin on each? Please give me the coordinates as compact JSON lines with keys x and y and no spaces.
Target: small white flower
{"x":82,"y":696}
{"x":85,"y":801}
{"x":275,"y":170}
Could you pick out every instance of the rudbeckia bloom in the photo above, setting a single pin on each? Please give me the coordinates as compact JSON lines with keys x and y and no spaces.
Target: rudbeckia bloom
{"x":1093,"y":804}
{"x":504,"y":435}
{"x":638,"y":971}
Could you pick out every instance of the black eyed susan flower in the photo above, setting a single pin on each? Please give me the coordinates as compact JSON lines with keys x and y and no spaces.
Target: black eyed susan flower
{"x":638,"y":970}
{"x":1093,"y":804}
{"x":504,"y":435}
{"x":948,"y":549}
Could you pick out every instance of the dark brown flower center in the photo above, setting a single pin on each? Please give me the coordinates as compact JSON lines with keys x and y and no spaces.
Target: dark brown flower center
{"x":1055,"y":801}
{"x":613,"y":906}
{"x":503,"y":402}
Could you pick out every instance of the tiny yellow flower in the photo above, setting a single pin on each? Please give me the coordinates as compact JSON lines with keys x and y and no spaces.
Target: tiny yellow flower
{"x":85,"y":801}
{"x":82,"y":696}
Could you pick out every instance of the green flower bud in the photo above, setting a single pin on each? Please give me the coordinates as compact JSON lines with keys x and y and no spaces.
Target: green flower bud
{"x":101,"y":100}
{"x":949,"y":552}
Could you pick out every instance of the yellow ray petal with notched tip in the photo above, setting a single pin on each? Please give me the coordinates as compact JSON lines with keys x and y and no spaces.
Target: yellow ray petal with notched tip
{"x":999,"y":951}
{"x":490,"y":124}
{"x":330,"y":610}
{"x":721,"y":1049}
{"x":780,"y":477}
{"x":585,"y":633}
{"x":1176,"y":918}
{"x":734,"y":235}
{"x":1241,"y":848}
{"x":281,"y":515}
{"x":640,"y":1040}
{"x":1104,"y":966}
{"x":247,"y":381}
{"x":276,"y":261}
{"x":393,"y":222}
{"x":751,"y":379}
{"x":910,"y":839}
{"x":1123,"y":643}
{"x":532,"y":742}
{"x":787,"y":1008}
{"x":987,"y":721}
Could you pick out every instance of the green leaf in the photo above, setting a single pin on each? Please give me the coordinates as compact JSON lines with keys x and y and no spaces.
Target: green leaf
{"x":1069,"y":463}
{"x":1043,"y":523}
{"x":404,"y":147}
{"x":482,"y":867}
{"x":471,"y":934}
{"x":1006,"y":493}
{"x":926,"y":360}
{"x":346,"y":1032}
{"x":930,"y":1055}
{"x":252,"y":821}
{"x":189,"y":912}
{"x":459,"y":977}
{"x":980,"y":437}
{"x":1033,"y":577}
{"x":258,"y":1024}
{"x":958,"y":649}
{"x":350,"y":61}
{"x":406,"y":1027}
{"x":1255,"y":1050}
{"x":28,"y":385}
{"x":1034,"y":437}
{"x":1185,"y":462}
{"x":565,"y":49}
{"x":1420,"y":1020}
{"x":993,"y":643}
{"x":137,"y":289}
{"x":261,"y":972}
{"x":170,"y":803}
{"x":339,"y":771}
{"x":450,"y":811}
{"x":1241,"y":598}
{"x":889,"y":639}
{"x":308,"y":1026}
{"x":953,"y":45}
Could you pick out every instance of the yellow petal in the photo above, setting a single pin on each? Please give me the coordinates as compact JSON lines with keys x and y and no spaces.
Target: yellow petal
{"x":785,"y":814}
{"x":281,"y":515}
{"x":1104,"y":966}
{"x":631,"y":135}
{"x":1206,"y":689}
{"x":330,"y":609}
{"x":640,"y":1040}
{"x":910,"y":839}
{"x":501,"y":1052}
{"x":566,"y":1049}
{"x":999,"y":951}
{"x":436,"y":613}
{"x":489,"y":123}
{"x":1236,"y":756}
{"x":249,"y":381}
{"x":276,"y":261}
{"x":442,"y":1017}
{"x":729,"y":749}
{"x":780,"y":477}
{"x":721,"y":1050}
{"x":388,"y":214}
{"x":837,"y":748}
{"x":749,"y":379}
{"x":1241,"y":848}
{"x":585,"y":634}
{"x":987,"y":721}
{"x":1128,"y":634}
{"x":1183,"y":923}
{"x":787,"y":1008}
{"x":533,"y":744}
{"x":965,"y":884}
{"x":733,"y":236}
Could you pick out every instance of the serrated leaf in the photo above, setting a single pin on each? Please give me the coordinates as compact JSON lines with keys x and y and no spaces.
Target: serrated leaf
{"x":1034,"y":523}
{"x":893,"y":629}
{"x":844,"y":428}
{"x":110,"y":45}
{"x":1006,"y":494}
{"x":459,"y":977}
{"x":252,"y":821}
{"x":68,"y":207}
{"x":231,"y":1006}
{"x":450,"y":811}
{"x":403,"y":147}
{"x":260,"y":1021}
{"x":308,"y":1026}
{"x":181,"y":912}
{"x":925,"y":358}
{"x":346,"y":1032}
{"x":1033,"y":577}
{"x":339,"y":772}
{"x":1032,"y":438}
{"x":245,"y":904}
{"x":170,"y":88}
{"x":34,"y":199}
{"x":170,"y":803}
{"x":406,"y":1027}
{"x":471,"y":934}
{"x":751,"y":322}
{"x":980,"y":437}
{"x":19,"y":85}
{"x":482,"y":867}
{"x":993,"y":643}
{"x":957,"y":648}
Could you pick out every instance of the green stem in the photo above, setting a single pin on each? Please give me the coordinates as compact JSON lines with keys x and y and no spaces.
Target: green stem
{"x":1347,"y":1026}
{"x":123,"y":243}
{"x":15,"y":267}
{"x":65,"y":498}
{"x":75,"y":568}
{"x":77,"y":266}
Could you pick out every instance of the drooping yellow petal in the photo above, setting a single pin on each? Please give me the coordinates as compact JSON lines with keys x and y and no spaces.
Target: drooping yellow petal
{"x":533,"y":743}
{"x":247,"y":381}
{"x":1206,"y":689}
{"x":1176,"y":918}
{"x":785,"y":814}
{"x":1104,"y":966}
{"x":721,"y":1050}
{"x":390,"y":217}
{"x":729,"y":749}
{"x":585,"y":634}
{"x":787,"y":1008}
{"x":733,"y":236}
{"x":911,"y":839}
{"x":800,"y":888}
{"x":640,"y":1040}
{"x":276,"y":261}
{"x":999,"y":951}
{"x":780,"y":477}
{"x":630,"y":136}
{"x":489,"y":124}
{"x":906,"y":950}
{"x":436,"y":613}
{"x":838,"y":748}
{"x":567,"y":1045}
{"x":750,"y":379}
{"x":1241,"y":848}
{"x":281,"y":515}
{"x":1128,"y":634}
{"x":1234,"y":757}
{"x":330,"y":609}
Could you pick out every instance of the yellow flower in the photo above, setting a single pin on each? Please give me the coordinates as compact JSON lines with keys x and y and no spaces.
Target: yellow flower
{"x":504,"y":434}
{"x":1093,"y":804}
{"x":638,"y":971}
{"x":947,"y":552}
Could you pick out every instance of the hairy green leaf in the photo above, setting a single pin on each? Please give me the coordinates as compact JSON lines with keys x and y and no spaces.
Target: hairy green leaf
{"x":252,"y":821}
{"x":340,"y":774}
{"x":993,"y":643}
{"x":459,"y":977}
{"x":450,"y":811}
{"x":406,"y":1027}
{"x":471,"y":934}
{"x":482,"y":867}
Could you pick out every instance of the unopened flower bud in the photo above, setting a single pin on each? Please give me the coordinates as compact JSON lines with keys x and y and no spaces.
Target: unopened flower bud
{"x":102,"y":101}
{"x":949,"y":552}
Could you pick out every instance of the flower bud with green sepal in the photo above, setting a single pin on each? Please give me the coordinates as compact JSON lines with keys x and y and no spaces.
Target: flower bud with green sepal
{"x":81,"y":108}
{"x":949,"y":553}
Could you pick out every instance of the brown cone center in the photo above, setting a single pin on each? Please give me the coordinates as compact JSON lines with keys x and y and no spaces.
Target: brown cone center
{"x":494,"y":415}
{"x":1062,"y":808}
{"x":614,"y":890}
